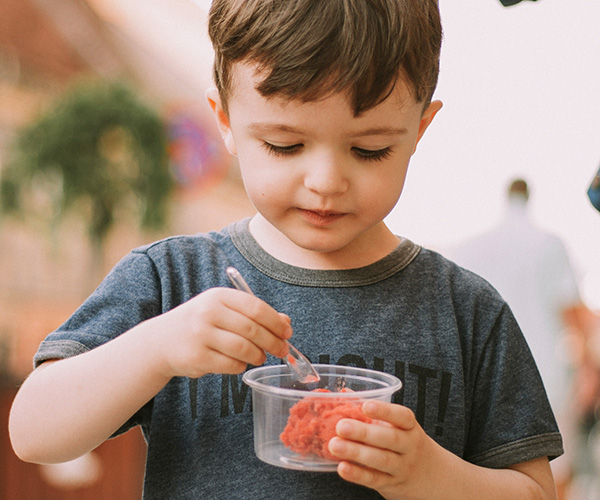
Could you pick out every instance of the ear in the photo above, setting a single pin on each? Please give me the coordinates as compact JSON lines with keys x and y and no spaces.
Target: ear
{"x":427,"y":118}
{"x":214,"y":100}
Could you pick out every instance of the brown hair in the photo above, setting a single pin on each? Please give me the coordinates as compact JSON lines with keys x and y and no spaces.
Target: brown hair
{"x":518,"y":187}
{"x":309,"y":49}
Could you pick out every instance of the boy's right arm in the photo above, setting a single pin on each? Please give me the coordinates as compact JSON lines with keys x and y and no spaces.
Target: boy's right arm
{"x":68,"y":407}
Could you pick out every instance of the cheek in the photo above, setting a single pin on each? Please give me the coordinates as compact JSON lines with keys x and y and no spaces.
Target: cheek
{"x":386,"y":190}
{"x":264,"y":184}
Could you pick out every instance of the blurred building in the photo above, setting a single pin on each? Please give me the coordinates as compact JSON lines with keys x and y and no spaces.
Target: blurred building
{"x":46,"y":46}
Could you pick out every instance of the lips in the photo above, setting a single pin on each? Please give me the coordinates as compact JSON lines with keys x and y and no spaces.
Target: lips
{"x":320,"y":217}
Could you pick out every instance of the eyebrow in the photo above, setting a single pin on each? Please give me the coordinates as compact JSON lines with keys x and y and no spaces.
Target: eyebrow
{"x":382,"y":131}
{"x":267,"y":127}
{"x":281,"y":127}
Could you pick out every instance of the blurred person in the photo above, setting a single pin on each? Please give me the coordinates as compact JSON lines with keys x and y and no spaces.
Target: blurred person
{"x":531,"y":269}
{"x":586,"y":327}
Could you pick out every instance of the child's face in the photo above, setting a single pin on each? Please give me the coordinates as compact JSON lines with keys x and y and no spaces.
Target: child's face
{"x":321,"y":179}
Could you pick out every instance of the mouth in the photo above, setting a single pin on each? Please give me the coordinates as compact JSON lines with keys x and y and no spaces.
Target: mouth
{"x":320,"y":217}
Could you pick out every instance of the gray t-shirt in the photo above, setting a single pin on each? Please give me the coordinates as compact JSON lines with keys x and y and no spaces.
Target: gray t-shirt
{"x":467,"y":371}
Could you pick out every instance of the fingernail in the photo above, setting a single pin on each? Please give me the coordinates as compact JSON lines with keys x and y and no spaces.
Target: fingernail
{"x":285,"y":351}
{"x":369,"y":407}
{"x":343,"y":428}
{"x":336,"y":445}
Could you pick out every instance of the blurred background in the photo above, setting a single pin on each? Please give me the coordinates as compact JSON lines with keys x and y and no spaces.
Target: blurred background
{"x":120,"y":85}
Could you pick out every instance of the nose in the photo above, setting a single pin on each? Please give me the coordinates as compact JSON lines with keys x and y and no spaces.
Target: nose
{"x":326,"y":176}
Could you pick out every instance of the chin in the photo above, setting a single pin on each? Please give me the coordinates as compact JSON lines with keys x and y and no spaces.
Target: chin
{"x":319,"y":245}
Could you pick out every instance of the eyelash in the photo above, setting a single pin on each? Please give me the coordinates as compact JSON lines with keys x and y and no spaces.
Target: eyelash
{"x":281,"y":150}
{"x":364,"y":154}
{"x":373,"y":155}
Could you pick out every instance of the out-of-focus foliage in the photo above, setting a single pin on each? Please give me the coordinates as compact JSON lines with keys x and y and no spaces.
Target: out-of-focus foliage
{"x":97,"y":151}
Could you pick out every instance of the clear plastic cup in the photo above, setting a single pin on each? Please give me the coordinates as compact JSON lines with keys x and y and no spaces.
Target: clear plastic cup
{"x":275,"y":392}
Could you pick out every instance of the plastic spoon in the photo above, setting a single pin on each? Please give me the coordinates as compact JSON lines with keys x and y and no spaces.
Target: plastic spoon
{"x":297,"y":362}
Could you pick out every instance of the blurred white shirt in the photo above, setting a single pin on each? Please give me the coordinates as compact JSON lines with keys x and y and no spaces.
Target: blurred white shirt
{"x":531,"y":270}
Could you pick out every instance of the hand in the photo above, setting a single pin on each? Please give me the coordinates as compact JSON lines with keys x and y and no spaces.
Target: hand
{"x":392,"y":455}
{"x":219,"y":331}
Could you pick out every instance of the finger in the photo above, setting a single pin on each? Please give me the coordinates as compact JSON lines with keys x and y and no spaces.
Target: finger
{"x":258,"y":335}
{"x":238,"y":316}
{"x":364,"y":476}
{"x":396,"y":415}
{"x":374,"y":434}
{"x":375,"y":459}
{"x":221,"y":363}
{"x":237,"y":335}
{"x":261,"y":313}
{"x":237,"y":347}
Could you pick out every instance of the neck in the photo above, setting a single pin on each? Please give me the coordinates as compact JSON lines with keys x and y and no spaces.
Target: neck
{"x":361,"y":252}
{"x":517,"y":205}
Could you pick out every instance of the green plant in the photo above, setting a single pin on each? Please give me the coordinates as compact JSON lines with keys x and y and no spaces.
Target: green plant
{"x":98,"y":151}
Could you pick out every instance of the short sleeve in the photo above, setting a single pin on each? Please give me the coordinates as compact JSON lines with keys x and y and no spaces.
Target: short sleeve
{"x":511,"y":418}
{"x":129,"y":294}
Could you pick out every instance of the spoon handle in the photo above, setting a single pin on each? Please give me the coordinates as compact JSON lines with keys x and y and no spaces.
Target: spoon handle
{"x":296,"y":361}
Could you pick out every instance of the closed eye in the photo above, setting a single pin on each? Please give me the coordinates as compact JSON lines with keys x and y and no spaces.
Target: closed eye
{"x":372,"y":155}
{"x":281,"y":150}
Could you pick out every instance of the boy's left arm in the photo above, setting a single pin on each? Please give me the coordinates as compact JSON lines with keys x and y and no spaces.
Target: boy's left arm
{"x":399,"y":460}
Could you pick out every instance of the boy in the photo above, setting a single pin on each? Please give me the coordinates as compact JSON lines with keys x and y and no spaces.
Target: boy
{"x":323,"y":103}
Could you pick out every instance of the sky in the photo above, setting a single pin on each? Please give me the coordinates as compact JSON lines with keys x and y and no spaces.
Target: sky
{"x":521,"y":93}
